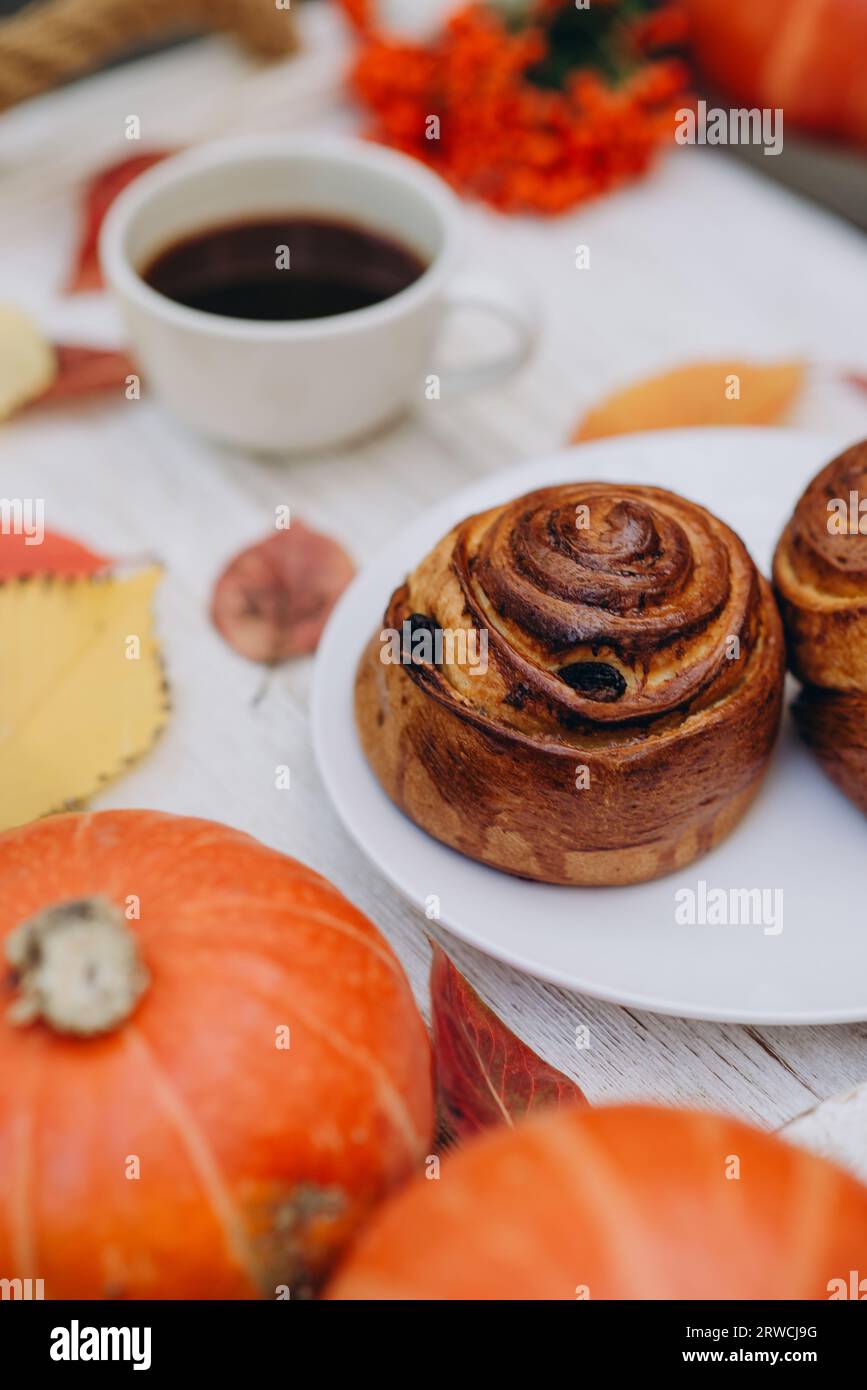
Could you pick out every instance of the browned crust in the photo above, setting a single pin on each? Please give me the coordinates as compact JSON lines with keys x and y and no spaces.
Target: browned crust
{"x":820,"y":578}
{"x":834,"y":724}
{"x":672,"y":765}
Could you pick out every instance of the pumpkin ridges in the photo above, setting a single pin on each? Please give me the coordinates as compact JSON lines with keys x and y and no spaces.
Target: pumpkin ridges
{"x":286,"y":1007}
{"x":288,"y":1132}
{"x":33,"y":856}
{"x":127,"y":1229}
{"x":518,"y":1254}
{"x":154,"y":840}
{"x":150,"y":835}
{"x":710,"y":1131}
{"x":798,"y":56}
{"x":202,"y":1159}
{"x":405,"y":1122}
{"x":209,"y":851}
{"x":188,"y":954}
{"x":706,"y":1133}
{"x":784,"y":62}
{"x":21,"y":1193}
{"x":393,"y":1102}
{"x":154,"y":1163}
{"x":609,"y":1190}
{"x":446,"y":1240}
{"x":293,"y":874}
{"x":170,"y":888}
{"x":332,"y":1173}
{"x":274,"y":904}
{"x":711,"y":1138}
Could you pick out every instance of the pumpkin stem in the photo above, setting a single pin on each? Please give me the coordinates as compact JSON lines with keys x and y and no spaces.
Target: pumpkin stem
{"x":77,"y":967}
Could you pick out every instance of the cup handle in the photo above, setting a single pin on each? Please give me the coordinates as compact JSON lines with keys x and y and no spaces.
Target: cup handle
{"x":477,"y":291}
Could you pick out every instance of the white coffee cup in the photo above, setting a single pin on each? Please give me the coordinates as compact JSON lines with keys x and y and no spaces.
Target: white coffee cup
{"x":305,"y":384}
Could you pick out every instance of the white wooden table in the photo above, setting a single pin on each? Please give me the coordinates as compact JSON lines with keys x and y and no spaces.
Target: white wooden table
{"x":701,"y":259}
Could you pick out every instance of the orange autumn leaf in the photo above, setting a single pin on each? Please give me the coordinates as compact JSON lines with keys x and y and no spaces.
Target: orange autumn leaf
{"x":22,"y":555}
{"x":87,"y":371}
{"x":706,"y":393}
{"x":100,"y":193}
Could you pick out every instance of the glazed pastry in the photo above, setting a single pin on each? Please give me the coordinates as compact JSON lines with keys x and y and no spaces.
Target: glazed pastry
{"x":820,"y":575}
{"x":588,"y":688}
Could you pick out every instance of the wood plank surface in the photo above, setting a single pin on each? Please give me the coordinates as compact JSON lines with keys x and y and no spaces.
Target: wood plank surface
{"x":702,"y":259}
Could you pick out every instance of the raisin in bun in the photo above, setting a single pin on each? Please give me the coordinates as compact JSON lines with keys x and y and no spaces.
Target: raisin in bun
{"x":820,"y":575}
{"x":630,"y":699}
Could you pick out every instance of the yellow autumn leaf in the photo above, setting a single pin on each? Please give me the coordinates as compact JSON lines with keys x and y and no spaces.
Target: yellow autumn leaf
{"x":82,"y":690}
{"x":706,"y":393}
{"x":28,"y":362}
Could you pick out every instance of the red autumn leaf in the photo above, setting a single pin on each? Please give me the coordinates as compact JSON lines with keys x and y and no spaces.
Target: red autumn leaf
{"x":485,"y":1075}
{"x":856,"y":379}
{"x":273,"y":599}
{"x":83,"y":371}
{"x":55,"y":554}
{"x":99,"y":195}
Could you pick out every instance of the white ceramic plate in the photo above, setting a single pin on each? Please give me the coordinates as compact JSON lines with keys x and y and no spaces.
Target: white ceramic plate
{"x":624,"y":944}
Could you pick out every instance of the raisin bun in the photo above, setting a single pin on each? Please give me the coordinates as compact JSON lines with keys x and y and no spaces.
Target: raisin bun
{"x":582,"y":686}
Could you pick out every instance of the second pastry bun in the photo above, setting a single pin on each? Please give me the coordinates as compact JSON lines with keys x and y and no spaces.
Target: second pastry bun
{"x":630,"y":697}
{"x":820,"y":576}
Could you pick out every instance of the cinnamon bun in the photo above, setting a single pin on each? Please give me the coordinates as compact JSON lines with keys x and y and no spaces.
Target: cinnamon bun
{"x":588,"y":685}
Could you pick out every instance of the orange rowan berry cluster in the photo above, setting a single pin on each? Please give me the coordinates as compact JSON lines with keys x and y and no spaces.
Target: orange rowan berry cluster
{"x":502,"y":134}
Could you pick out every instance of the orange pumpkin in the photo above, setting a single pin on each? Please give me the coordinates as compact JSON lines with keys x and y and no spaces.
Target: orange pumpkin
{"x":623,"y":1202}
{"x":211,"y":1064}
{"x":806,"y":56}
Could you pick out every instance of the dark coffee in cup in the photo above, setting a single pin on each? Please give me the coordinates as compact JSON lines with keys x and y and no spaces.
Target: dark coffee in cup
{"x":283,"y":269}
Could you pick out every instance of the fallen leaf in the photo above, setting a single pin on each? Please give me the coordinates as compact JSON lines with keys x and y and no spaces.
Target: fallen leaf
{"x":697,"y":395}
{"x":273,"y":600}
{"x":856,"y":379}
{"x":99,"y":195}
{"x":33,"y":370}
{"x":54,"y":554}
{"x":484,"y":1074}
{"x":84,"y":371}
{"x":28,"y":362}
{"x":75,"y":710}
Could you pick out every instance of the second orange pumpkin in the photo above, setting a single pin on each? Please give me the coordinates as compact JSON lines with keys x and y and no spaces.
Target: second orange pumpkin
{"x":806,"y":56}
{"x":616,"y":1203}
